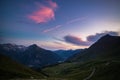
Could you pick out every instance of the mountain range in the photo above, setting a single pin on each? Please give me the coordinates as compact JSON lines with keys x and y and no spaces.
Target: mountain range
{"x":32,"y":56}
{"x":101,"y":61}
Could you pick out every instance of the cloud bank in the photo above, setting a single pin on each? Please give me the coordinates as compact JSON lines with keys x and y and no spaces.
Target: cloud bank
{"x":89,"y":39}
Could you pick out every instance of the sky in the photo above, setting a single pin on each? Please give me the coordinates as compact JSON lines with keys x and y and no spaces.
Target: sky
{"x":58,"y":24}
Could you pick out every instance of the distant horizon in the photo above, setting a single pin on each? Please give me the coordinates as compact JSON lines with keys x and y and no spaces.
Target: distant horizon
{"x":40,"y":46}
{"x":49,"y":49}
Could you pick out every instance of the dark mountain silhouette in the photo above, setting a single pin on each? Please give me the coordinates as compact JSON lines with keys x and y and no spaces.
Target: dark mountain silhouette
{"x":36,"y":56}
{"x":32,"y":56}
{"x":106,"y":47}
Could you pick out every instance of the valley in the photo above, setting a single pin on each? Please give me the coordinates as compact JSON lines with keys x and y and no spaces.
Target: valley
{"x":94,"y":63}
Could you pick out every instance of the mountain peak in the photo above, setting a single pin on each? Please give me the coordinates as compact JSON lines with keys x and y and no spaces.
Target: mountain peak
{"x":108,"y":38}
{"x":107,"y":41}
{"x":107,"y":35}
{"x":34,"y":45}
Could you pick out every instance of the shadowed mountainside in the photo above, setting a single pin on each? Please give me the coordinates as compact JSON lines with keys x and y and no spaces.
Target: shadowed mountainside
{"x":106,"y":47}
{"x":32,"y":56}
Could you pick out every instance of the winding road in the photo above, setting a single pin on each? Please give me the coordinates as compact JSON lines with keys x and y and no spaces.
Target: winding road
{"x":93,"y":71}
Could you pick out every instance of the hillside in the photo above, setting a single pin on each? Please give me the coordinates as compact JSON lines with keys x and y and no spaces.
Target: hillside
{"x":10,"y":69}
{"x":93,"y":70}
{"x":106,"y":47}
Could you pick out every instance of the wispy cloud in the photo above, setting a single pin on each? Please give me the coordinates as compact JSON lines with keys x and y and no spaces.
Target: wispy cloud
{"x":68,"y":46}
{"x":75,"y":20}
{"x":51,"y":29}
{"x":61,"y":40}
{"x":45,"y":13}
{"x":69,"y":22}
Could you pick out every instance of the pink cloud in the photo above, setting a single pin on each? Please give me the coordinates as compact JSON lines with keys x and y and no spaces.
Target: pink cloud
{"x":51,"y":29}
{"x":44,"y":13}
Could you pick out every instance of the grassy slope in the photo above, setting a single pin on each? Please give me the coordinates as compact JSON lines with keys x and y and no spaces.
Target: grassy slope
{"x":9,"y":69}
{"x":105,"y":70}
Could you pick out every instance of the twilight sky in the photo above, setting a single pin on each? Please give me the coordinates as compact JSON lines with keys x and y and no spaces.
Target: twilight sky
{"x":58,"y":24}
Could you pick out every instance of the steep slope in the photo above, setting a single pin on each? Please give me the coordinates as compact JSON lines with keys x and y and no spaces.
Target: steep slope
{"x":10,"y":69}
{"x":32,"y":56}
{"x":106,"y":47}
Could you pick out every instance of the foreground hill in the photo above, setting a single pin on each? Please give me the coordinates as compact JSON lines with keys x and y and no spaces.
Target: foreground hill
{"x":32,"y":56}
{"x":106,"y":47}
{"x":10,"y":69}
{"x":93,"y":70}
